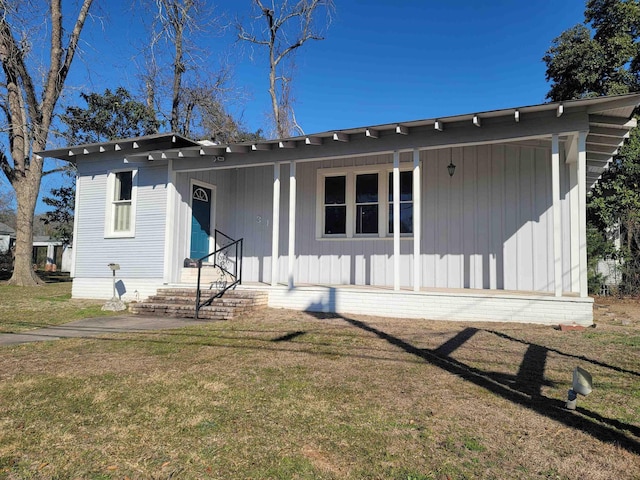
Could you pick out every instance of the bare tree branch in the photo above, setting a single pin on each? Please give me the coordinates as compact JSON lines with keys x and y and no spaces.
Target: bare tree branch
{"x":284,"y":21}
{"x":55,"y":170}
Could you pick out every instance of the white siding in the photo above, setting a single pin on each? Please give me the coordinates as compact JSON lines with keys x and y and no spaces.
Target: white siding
{"x":488,"y":226}
{"x":243,"y":209}
{"x":140,"y":256}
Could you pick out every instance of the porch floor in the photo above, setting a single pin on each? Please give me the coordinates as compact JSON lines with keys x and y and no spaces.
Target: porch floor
{"x":428,"y":290}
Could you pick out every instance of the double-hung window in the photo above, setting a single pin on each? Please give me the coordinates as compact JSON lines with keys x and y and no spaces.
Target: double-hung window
{"x":335,"y":205}
{"x":121,"y":203}
{"x":367,"y":203}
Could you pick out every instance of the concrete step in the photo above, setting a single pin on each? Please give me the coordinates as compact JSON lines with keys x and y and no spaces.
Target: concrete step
{"x":180,"y":302}
{"x":208,"y":274}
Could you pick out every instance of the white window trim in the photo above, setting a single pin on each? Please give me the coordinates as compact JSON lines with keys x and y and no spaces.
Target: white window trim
{"x":350,"y":173}
{"x":110,"y":206}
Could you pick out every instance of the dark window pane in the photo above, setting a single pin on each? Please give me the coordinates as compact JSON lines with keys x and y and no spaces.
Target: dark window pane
{"x":335,"y":220}
{"x":367,"y":188}
{"x":334,"y":190}
{"x":124,"y":181}
{"x":367,"y":219}
{"x":406,"y":186}
{"x":406,"y":218}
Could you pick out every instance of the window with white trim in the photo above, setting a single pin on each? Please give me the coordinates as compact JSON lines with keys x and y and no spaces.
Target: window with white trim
{"x":352,"y":202}
{"x":120,"y":219}
{"x":406,"y":202}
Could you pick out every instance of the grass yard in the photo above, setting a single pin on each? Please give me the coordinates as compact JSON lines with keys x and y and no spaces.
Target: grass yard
{"x":285,"y":395}
{"x":27,"y":308}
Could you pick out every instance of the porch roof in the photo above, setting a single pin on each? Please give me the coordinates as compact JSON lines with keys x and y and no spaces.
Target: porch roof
{"x":609,"y":122}
{"x":125,"y":146}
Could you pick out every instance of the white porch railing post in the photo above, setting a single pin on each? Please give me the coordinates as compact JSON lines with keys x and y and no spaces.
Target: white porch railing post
{"x":582,"y":205}
{"x":275,"y":224}
{"x":557,"y":221}
{"x":417,"y":226}
{"x":396,"y":220}
{"x":292,"y":221}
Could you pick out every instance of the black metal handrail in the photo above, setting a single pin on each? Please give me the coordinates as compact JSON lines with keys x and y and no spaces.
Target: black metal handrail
{"x":221,"y":260}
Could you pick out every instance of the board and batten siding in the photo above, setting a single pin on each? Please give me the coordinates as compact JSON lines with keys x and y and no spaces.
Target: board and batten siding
{"x":140,"y":256}
{"x":242,"y":209}
{"x":487,"y":227}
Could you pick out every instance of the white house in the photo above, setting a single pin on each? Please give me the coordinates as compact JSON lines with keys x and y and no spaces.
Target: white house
{"x":7,"y":237}
{"x":474,"y":216}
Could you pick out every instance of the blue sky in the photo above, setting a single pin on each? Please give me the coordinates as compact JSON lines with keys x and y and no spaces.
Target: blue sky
{"x":382,"y":61}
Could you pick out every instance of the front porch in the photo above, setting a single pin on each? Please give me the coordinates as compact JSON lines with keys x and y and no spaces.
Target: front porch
{"x":480,"y":216}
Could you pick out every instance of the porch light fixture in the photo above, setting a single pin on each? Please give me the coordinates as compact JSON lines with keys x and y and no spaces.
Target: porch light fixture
{"x":451,"y":168}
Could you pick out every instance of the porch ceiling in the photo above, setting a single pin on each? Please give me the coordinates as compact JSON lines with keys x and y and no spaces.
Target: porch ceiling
{"x":609,"y":126}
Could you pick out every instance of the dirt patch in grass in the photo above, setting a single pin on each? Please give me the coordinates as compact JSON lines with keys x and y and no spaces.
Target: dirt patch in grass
{"x":284,"y":394}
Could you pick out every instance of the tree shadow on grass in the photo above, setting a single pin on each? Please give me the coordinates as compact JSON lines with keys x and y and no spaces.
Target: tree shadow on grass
{"x":524,"y":390}
{"x":570,"y":355}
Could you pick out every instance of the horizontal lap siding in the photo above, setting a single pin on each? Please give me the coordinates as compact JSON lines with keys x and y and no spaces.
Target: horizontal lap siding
{"x":141,"y":256}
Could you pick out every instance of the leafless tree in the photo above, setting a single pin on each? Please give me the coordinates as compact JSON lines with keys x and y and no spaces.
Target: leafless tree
{"x":29,"y":108}
{"x":284,"y":27}
{"x":195,"y":89}
{"x":174,"y":21}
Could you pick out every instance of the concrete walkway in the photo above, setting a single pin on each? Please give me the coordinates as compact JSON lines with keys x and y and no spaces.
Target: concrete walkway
{"x":98,"y":327}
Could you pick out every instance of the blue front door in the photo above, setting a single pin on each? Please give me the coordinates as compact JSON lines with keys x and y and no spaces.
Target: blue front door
{"x":200,"y":221}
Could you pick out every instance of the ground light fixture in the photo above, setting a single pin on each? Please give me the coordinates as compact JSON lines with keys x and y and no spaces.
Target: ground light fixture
{"x":451,"y":168}
{"x":115,"y":304}
{"x":582,"y":384}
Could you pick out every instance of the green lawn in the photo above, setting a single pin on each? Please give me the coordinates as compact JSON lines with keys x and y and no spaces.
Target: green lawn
{"x":283,"y":395}
{"x":27,"y":308}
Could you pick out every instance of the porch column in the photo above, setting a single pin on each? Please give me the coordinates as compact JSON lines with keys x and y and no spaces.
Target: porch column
{"x":396,"y":220}
{"x":170,"y":228}
{"x":582,"y":206}
{"x":557,"y":223}
{"x":574,"y":201}
{"x":292,"y":221}
{"x":275,"y":224}
{"x":417,"y":227}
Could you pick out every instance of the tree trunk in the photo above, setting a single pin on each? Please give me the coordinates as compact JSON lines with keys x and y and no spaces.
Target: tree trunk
{"x":280,"y":133}
{"x":26,"y":189}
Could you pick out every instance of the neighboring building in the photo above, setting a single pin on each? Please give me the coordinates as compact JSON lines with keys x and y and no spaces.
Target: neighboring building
{"x":611,"y":268}
{"x":51,"y":255}
{"x":7,"y":237}
{"x":363,"y":220}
